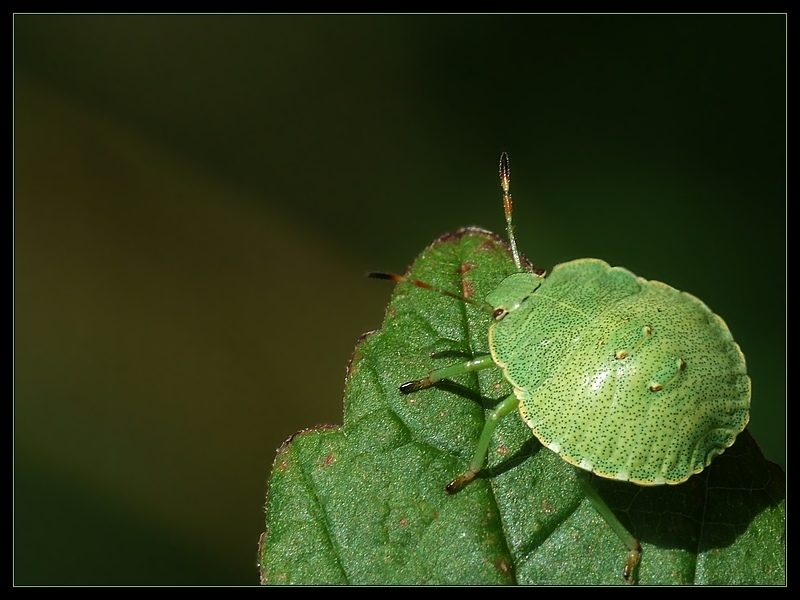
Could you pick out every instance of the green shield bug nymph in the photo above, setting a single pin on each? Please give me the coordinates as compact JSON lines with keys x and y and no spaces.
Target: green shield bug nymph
{"x":626,"y":378}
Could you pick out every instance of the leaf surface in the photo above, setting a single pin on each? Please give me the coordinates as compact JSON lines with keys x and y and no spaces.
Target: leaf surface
{"x":365,"y":503}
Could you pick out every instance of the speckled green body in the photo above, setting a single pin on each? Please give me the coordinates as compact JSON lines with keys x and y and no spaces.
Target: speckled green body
{"x":627,"y":378}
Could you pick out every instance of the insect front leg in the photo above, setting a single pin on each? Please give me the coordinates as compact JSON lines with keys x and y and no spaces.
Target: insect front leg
{"x":483,"y":362}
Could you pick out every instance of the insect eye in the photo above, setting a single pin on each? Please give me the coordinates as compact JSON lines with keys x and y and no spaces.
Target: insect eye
{"x":499,"y":313}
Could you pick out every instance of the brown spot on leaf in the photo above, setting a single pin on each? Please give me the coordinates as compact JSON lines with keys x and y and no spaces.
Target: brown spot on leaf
{"x":487,"y":245}
{"x":466,"y":267}
{"x":502,"y":564}
{"x":466,"y":288}
{"x":329,"y":460}
{"x":259,"y":554}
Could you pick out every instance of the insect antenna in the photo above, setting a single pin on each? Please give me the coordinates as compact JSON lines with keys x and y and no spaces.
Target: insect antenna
{"x":505,"y":183}
{"x":427,"y":286}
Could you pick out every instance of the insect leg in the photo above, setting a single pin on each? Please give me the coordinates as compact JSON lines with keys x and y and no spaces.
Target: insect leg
{"x":634,"y":548}
{"x":483,"y":362}
{"x":505,"y":407}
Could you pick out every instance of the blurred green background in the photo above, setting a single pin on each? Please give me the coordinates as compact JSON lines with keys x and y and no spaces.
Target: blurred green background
{"x":197,"y":199}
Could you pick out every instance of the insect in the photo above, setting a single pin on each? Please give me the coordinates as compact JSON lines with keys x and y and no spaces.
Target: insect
{"x":622,"y":377}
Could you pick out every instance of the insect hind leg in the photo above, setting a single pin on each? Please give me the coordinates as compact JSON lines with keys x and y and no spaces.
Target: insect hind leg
{"x":627,"y":538}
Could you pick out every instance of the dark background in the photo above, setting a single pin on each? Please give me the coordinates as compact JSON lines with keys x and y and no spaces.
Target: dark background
{"x":198,"y":197}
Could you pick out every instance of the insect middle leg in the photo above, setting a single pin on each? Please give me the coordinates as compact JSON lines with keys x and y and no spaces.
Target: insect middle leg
{"x":506,"y":406}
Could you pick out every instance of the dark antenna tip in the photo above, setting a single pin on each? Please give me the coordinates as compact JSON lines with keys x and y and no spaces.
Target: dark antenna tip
{"x":505,"y":171}
{"x":389,"y":276}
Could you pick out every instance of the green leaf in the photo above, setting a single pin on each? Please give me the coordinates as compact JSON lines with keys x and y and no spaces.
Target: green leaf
{"x":365,"y":503}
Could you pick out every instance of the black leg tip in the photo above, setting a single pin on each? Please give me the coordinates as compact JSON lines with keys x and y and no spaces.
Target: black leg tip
{"x":413,"y":386}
